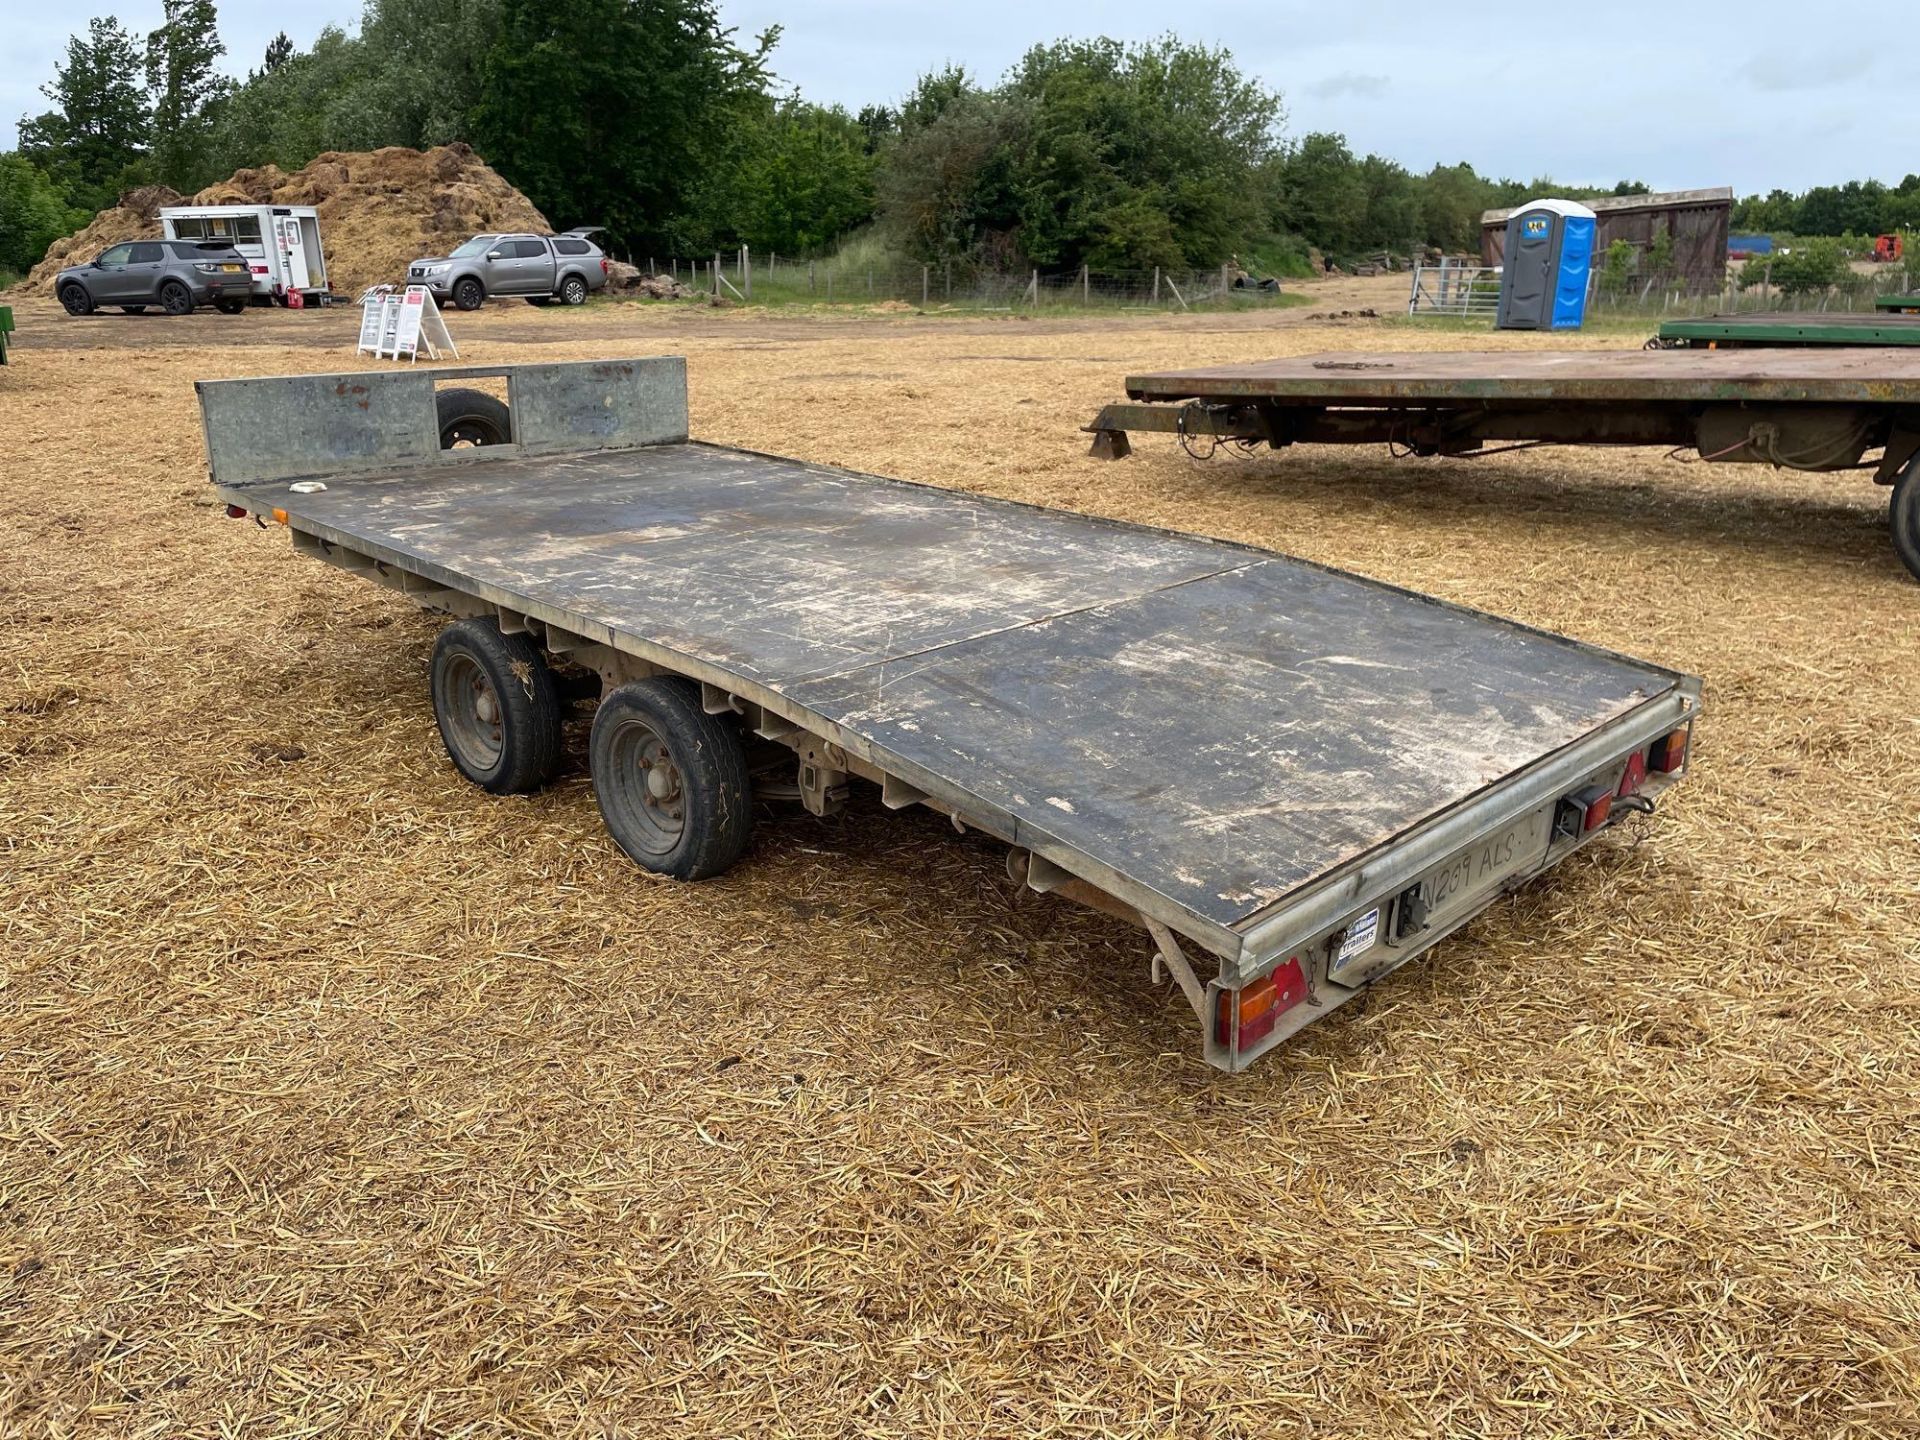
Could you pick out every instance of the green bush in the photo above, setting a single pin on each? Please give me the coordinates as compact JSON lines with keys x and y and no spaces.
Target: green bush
{"x":1809,"y":265}
{"x":1616,"y":266}
{"x":33,"y":213}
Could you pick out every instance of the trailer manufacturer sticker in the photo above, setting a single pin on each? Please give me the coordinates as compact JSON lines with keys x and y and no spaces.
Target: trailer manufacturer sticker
{"x":1359,"y":937}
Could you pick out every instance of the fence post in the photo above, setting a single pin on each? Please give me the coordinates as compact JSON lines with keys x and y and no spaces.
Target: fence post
{"x":1033,"y":289}
{"x":1225,"y":283}
{"x":1156,"y":284}
{"x":923,"y":287}
{"x":829,"y":286}
{"x":746,"y":272}
{"x":1086,"y":294}
{"x":809,"y":277}
{"x":869,"y":282}
{"x":949,"y":295}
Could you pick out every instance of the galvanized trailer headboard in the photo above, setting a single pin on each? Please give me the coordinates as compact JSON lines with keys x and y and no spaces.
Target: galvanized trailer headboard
{"x":284,"y":426}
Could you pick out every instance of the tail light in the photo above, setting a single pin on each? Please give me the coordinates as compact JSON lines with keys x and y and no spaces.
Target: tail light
{"x":1669,"y":754}
{"x":1634,"y":776}
{"x":605,"y":268}
{"x":1584,"y":810}
{"x":1246,"y":1016}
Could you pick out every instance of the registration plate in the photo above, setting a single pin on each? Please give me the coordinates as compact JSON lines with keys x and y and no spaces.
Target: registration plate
{"x":1452,"y":887}
{"x":1482,"y":867}
{"x":233,"y":269}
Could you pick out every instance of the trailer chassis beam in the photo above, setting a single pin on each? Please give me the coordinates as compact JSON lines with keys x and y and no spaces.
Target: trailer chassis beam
{"x":1425,"y":430}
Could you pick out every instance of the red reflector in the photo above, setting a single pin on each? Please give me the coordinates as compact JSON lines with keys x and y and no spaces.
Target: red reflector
{"x":234,"y":512}
{"x":1669,"y":753}
{"x":1262,"y":1003}
{"x":259,"y":269}
{"x":1635,"y":776}
{"x":1599,"y":807}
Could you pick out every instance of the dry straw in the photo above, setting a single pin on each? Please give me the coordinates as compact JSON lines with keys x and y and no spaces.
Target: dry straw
{"x":341,"y":1099}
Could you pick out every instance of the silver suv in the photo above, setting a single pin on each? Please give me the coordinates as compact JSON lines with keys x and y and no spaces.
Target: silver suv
{"x":175,"y":275}
{"x":539,"y":268}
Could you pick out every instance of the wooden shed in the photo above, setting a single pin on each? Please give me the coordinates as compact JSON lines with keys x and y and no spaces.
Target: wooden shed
{"x":1696,"y":219}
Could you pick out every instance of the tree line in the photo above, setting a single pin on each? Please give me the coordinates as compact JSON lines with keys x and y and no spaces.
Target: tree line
{"x":654,"y":119}
{"x":1857,"y":208}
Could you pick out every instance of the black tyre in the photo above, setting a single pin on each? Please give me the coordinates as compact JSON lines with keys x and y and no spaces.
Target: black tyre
{"x":573,"y":291}
{"x":230,"y":307}
{"x":671,"y":779}
{"x":134,"y":309}
{"x":469,"y":294}
{"x":472,"y":417}
{"x":176,"y":299}
{"x":494,"y":699}
{"x":75,"y":300}
{"x":1903,"y":514}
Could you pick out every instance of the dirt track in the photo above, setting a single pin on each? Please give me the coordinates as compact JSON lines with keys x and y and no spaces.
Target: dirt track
{"x":344,"y":1099}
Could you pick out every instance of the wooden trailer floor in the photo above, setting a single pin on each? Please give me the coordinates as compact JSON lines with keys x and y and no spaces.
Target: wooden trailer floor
{"x":1217,"y":723}
{"x":1835,"y":375}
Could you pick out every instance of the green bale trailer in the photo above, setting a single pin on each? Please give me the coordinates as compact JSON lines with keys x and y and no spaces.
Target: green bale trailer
{"x":1730,"y":332}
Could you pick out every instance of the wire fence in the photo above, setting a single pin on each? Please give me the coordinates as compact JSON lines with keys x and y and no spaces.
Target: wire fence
{"x":1474,"y":290}
{"x":773,"y":279}
{"x":1669,"y":295}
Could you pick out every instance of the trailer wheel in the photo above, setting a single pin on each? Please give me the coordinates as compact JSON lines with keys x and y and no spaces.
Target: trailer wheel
{"x":230,"y":307}
{"x":472,"y":417}
{"x":176,"y":299}
{"x":469,"y":294}
{"x":573,"y":291}
{"x":494,"y":699}
{"x":1903,"y":514}
{"x":134,"y":309}
{"x":671,"y":779}
{"x":75,"y":300}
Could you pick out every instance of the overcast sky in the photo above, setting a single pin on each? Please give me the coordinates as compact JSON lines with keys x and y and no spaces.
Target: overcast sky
{"x":1677,"y":95}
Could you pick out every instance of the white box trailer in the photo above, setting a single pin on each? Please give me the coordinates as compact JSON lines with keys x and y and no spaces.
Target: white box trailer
{"x":281,"y":243}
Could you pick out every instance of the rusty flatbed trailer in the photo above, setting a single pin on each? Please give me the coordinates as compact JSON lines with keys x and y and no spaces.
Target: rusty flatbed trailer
{"x":1787,"y":327}
{"x":1803,"y":408}
{"x":1309,"y":776}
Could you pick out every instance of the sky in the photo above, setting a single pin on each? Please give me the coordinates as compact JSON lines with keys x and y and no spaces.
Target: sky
{"x":1677,"y":95}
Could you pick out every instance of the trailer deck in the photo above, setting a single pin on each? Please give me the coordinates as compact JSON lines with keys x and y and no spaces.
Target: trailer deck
{"x":1236,"y":747}
{"x":1805,"y":408}
{"x":1789,"y":328}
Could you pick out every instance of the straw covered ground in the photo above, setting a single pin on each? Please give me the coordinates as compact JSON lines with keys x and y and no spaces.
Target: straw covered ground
{"x":341,"y":1099}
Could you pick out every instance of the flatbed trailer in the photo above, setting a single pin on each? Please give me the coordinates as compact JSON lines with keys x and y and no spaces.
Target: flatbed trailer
{"x":1804,"y":408}
{"x":1304,"y":776}
{"x":1899,"y":304}
{"x":1725,"y":332}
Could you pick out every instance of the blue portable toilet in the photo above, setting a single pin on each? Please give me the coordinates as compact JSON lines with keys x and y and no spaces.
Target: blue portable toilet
{"x":1546,"y":266}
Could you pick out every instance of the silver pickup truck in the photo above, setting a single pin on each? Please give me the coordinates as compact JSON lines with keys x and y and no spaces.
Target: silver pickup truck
{"x":538,"y":268}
